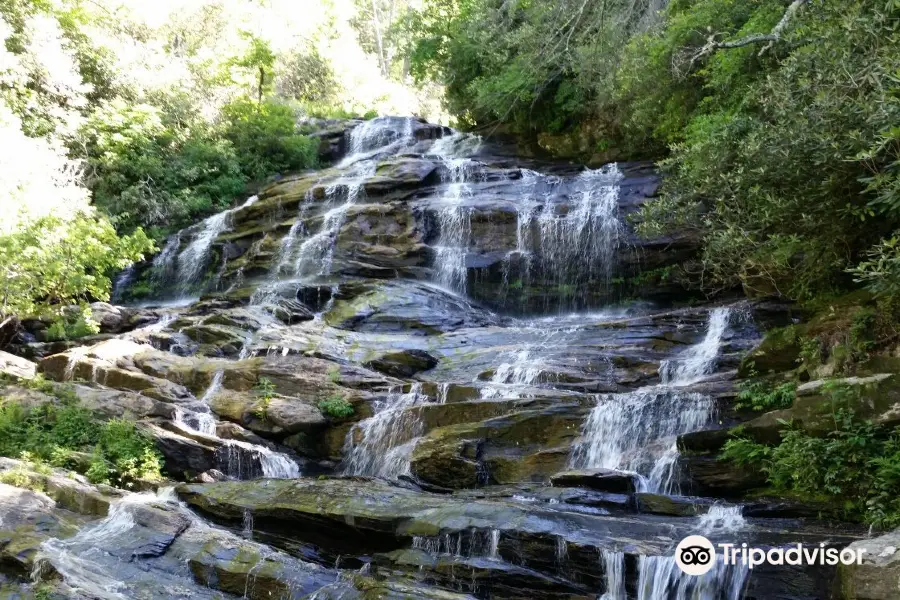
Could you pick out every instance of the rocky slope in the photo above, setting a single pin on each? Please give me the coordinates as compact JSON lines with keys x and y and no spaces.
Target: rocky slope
{"x":531,"y":415}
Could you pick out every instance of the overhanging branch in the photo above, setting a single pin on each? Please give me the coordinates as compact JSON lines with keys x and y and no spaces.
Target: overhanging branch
{"x":769,"y":39}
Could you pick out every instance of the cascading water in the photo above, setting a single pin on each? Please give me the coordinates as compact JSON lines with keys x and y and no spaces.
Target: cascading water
{"x":637,"y":431}
{"x":454,"y":218}
{"x":315,"y":255}
{"x":381,"y":445}
{"x":699,"y":360}
{"x":659,"y":577}
{"x":578,"y":242}
{"x":510,"y":377}
{"x":721,"y":518}
{"x":238,"y":458}
{"x":613,"y":575}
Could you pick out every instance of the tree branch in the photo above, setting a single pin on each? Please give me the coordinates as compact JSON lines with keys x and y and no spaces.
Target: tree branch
{"x":769,"y":39}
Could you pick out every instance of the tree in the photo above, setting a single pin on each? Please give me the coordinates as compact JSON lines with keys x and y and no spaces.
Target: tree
{"x":50,"y":263}
{"x":260,"y":59}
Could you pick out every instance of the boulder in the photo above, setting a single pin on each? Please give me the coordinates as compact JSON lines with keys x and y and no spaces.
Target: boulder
{"x":408,"y":307}
{"x":281,"y":416}
{"x":16,"y":366}
{"x":404,"y":363}
{"x":183,"y":455}
{"x":254,"y":571}
{"x":877,"y":577}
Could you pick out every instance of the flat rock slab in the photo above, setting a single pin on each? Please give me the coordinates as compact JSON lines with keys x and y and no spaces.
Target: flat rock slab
{"x":603,"y":480}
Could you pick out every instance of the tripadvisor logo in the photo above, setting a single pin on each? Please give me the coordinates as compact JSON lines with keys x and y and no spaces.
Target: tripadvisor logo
{"x":696,"y":555}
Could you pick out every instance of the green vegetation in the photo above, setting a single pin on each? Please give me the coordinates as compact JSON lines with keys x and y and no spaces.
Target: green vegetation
{"x":757,"y":396}
{"x":265,"y":390}
{"x":776,"y":120}
{"x":67,"y":435}
{"x":337,"y":407}
{"x":122,"y":122}
{"x":51,"y":263}
{"x":853,"y":467}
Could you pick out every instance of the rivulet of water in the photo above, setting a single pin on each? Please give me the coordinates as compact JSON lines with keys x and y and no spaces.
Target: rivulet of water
{"x":637,"y":431}
{"x":381,"y":445}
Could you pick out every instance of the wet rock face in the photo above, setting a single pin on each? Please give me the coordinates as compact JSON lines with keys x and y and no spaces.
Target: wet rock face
{"x":412,"y":375}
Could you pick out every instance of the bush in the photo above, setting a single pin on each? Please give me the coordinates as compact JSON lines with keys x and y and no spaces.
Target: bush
{"x":336,"y":407}
{"x":265,"y":390}
{"x":52,"y":263}
{"x":146,"y":171}
{"x":757,"y":396}
{"x":854,"y":466}
{"x":51,"y":433}
{"x":265,"y":140}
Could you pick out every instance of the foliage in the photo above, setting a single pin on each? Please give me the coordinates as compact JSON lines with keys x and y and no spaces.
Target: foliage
{"x":52,"y":432}
{"x":336,"y":407}
{"x":264,"y":138}
{"x":146,"y":171}
{"x":51,"y":262}
{"x":780,"y":154}
{"x":306,"y":76}
{"x":72,"y":326}
{"x":758,"y":396}
{"x":265,"y":390}
{"x":879,"y":271}
{"x":852,"y":465}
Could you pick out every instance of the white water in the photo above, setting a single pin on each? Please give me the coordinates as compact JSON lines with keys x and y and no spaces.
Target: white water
{"x":510,"y":377}
{"x":721,"y":518}
{"x":381,"y":445}
{"x":237,"y":457}
{"x":699,"y":360}
{"x":660,"y":578}
{"x":454,"y":218}
{"x":194,"y":259}
{"x":578,"y":247}
{"x":81,"y":560}
{"x":474,"y":543}
{"x":613,"y":575}
{"x":637,"y":432}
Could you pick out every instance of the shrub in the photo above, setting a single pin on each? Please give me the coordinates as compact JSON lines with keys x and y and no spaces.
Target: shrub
{"x":854,"y":466}
{"x":265,"y":390}
{"x":265,"y":140}
{"x":146,"y":171}
{"x":50,"y":433}
{"x":757,"y":396}
{"x":336,"y":407}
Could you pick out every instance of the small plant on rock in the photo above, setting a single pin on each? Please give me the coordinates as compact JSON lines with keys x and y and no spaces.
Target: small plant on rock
{"x":336,"y":406}
{"x":265,"y":390}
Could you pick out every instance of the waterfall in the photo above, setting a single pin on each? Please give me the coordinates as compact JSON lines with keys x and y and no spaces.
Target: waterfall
{"x":387,"y":439}
{"x":164,"y":264}
{"x":317,"y":252}
{"x":613,"y":575}
{"x":82,"y":561}
{"x":474,"y":543}
{"x":699,"y":360}
{"x":638,"y":431}
{"x":454,"y":218}
{"x":378,"y":135}
{"x":659,"y":577}
{"x":510,"y":377}
{"x":578,"y":247}
{"x":237,"y":457}
{"x":193,"y":260}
